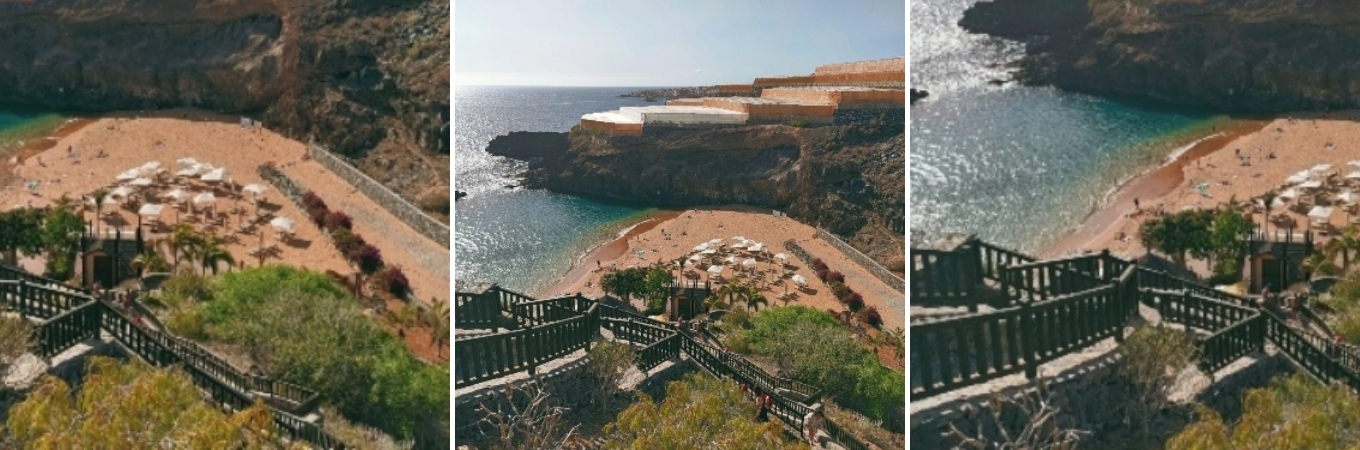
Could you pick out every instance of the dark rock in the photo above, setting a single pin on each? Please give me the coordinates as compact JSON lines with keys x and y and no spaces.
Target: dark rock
{"x":918,"y":94}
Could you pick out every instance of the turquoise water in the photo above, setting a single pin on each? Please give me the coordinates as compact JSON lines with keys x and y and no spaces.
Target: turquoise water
{"x":16,"y":126}
{"x":523,"y":239}
{"x":1017,"y":165}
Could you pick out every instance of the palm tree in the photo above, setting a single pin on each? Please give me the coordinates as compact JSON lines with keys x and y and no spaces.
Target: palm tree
{"x":150,"y":261}
{"x":99,"y":198}
{"x":1319,"y":263}
{"x":183,"y":241}
{"x":725,"y":294}
{"x":750,"y":296}
{"x":210,"y":253}
{"x":1267,"y":199}
{"x":714,"y":301}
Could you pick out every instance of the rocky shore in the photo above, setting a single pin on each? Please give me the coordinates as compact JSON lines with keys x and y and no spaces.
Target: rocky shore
{"x":1239,"y":56}
{"x":847,"y":179}
{"x":663,"y":94}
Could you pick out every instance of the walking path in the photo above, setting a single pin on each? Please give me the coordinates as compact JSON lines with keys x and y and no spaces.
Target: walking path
{"x":890,"y":303}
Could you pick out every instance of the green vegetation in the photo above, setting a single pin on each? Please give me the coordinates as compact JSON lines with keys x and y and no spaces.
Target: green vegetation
{"x":1294,"y":412}
{"x":131,"y":406}
{"x":699,"y":412}
{"x":1153,"y":358}
{"x":1213,"y":235}
{"x":20,"y":231}
{"x":1341,"y":311}
{"x":815,"y":348}
{"x":303,"y":328}
{"x":650,"y":283}
{"x":16,"y":338}
{"x":608,"y":363}
{"x":61,"y":236}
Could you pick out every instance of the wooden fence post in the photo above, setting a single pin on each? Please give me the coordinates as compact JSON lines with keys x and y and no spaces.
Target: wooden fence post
{"x":1027,"y":334}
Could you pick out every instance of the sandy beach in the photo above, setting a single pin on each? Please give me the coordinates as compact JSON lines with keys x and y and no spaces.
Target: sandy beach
{"x":1212,"y":172}
{"x":70,"y":163}
{"x":697,"y":225}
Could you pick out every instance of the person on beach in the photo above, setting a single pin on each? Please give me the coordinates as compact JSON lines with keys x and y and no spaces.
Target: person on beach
{"x":1136,"y":206}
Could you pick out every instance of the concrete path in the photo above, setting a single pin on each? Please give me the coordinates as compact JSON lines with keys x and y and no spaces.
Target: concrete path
{"x":892,"y":305}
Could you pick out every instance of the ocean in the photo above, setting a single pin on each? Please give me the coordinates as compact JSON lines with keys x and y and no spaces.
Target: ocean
{"x":1018,"y":166}
{"x":17,"y":127}
{"x":524,"y":239}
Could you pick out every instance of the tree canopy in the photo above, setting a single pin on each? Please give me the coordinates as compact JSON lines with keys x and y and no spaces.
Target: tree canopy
{"x":699,"y":412}
{"x":130,"y":405}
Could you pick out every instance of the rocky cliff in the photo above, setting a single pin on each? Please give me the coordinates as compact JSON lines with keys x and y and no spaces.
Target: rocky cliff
{"x":1229,"y":55}
{"x":847,"y":179}
{"x":366,"y":78}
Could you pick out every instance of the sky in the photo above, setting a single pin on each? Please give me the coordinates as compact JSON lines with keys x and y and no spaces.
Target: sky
{"x":665,"y":42}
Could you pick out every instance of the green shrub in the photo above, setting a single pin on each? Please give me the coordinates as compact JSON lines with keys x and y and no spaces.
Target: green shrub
{"x":1294,"y":412}
{"x":777,"y":320}
{"x":303,"y":328}
{"x":698,"y":412}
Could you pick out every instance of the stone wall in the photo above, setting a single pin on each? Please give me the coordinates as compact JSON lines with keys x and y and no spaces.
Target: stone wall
{"x":864,"y":261}
{"x":863,"y":116}
{"x":393,"y":203}
{"x":876,"y":65}
{"x":796,"y":80}
{"x":614,"y":128}
{"x":285,"y":185}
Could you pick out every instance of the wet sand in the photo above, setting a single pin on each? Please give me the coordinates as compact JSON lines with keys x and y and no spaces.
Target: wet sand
{"x":608,"y":251}
{"x":1147,"y":188}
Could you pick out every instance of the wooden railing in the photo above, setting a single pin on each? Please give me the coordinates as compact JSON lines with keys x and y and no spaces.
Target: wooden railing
{"x":475,"y":311}
{"x":658,"y":352}
{"x":496,"y":355}
{"x":993,"y":258}
{"x":38,"y":300}
{"x":639,"y":331}
{"x":538,"y":312}
{"x":67,"y":329}
{"x":944,"y":278}
{"x":1232,"y":343}
{"x":1044,"y":280}
{"x":1154,"y":279}
{"x":1195,"y":311}
{"x":961,"y":351}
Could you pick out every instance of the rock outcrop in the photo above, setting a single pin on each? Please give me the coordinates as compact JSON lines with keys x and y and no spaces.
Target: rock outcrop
{"x":847,"y":179}
{"x":1227,"y":55}
{"x":365,"y":78}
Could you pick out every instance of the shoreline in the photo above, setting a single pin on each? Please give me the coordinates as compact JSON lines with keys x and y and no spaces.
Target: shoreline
{"x":607,"y":251}
{"x":1149,"y":188}
{"x":36,"y":146}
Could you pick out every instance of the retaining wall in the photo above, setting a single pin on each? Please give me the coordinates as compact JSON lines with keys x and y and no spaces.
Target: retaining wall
{"x":876,"y":65}
{"x":864,"y":261}
{"x":393,"y":203}
{"x":796,"y":80}
{"x":631,"y":129}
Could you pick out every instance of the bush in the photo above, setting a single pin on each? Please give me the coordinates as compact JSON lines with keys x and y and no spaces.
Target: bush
{"x":697,"y":409}
{"x":317,"y":214}
{"x":347,"y":241}
{"x":302,"y":328}
{"x":870,"y":316}
{"x":818,"y":264}
{"x":835,"y":277}
{"x":1293,"y":412}
{"x":367,"y":257}
{"x":312,"y":201}
{"x":737,"y":319}
{"x":854,"y":301}
{"x":607,"y":364}
{"x":336,"y":220}
{"x":393,"y":280}
{"x":840,"y":291}
{"x":828,"y":356}
{"x":821,"y":274}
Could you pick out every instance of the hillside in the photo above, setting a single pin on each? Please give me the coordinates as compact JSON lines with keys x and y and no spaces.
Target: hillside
{"x":1238,"y":56}
{"x":365,"y":78}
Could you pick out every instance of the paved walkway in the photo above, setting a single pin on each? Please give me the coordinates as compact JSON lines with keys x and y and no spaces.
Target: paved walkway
{"x":891,"y":303}
{"x":425,"y":262}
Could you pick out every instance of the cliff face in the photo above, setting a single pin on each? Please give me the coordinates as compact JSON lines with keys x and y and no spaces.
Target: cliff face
{"x":846,"y":179}
{"x":365,"y":78}
{"x":1231,"y":55}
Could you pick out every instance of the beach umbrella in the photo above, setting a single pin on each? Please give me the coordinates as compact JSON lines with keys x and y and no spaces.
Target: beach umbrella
{"x":1311,"y":184}
{"x":1275,"y":203}
{"x":150,"y":167}
{"x":187,"y":162}
{"x":253,"y":188}
{"x":730,"y":260}
{"x":215,"y":175}
{"x":1297,"y":178}
{"x":1353,"y":175}
{"x":757,"y":248}
{"x":150,"y":210}
{"x":739,"y":244}
{"x":1347,"y":197}
{"x":1320,"y":212}
{"x":128,"y":175}
{"x":781,"y":257}
{"x":1320,"y":168}
{"x":701,"y":247}
{"x":205,"y":199}
{"x":177,"y":194}
{"x":1354,"y":162}
{"x":749,"y":263}
{"x":801,"y":280}
{"x":696,"y":257}
{"x":120,"y":191}
{"x":140,"y":182}
{"x":715,"y":241}
{"x":1290,"y":193}
{"x":715,"y":270}
{"x":282,"y":224}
